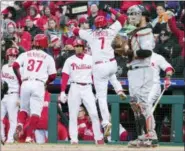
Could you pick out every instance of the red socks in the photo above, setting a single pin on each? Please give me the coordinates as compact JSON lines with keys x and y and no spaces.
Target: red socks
{"x":32,"y":125}
{"x":22,"y":116}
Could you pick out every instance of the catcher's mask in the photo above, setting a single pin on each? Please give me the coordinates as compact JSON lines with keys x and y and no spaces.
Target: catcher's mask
{"x":135,"y":13}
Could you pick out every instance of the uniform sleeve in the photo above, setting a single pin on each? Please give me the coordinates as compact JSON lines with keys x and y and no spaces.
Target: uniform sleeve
{"x":85,"y":34}
{"x":52,"y":67}
{"x":2,"y":71}
{"x":163,"y":64}
{"x":66,"y":68}
{"x":115,"y":27}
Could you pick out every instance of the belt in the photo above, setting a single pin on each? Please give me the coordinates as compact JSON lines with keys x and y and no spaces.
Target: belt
{"x":83,"y":84}
{"x":12,"y":92}
{"x":99,"y":62}
{"x":34,"y":79}
{"x":136,"y":67}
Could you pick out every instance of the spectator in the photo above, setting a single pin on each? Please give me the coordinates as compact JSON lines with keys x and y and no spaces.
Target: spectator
{"x":20,"y":12}
{"x":31,"y":28}
{"x":167,"y":45}
{"x":83,"y":24}
{"x":34,"y":14}
{"x":162,"y":18}
{"x":165,"y":130}
{"x":24,"y":38}
{"x":42,"y":22}
{"x":178,"y":33}
{"x":54,"y":37}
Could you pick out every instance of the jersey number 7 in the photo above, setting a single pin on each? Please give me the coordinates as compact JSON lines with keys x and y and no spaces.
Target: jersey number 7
{"x":102,"y":42}
{"x":34,"y":65}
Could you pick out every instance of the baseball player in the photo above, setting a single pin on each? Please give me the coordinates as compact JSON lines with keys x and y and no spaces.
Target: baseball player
{"x":10,"y":99}
{"x":104,"y":63}
{"x":38,"y":71}
{"x":79,"y":69}
{"x":140,"y":74}
{"x":158,"y":63}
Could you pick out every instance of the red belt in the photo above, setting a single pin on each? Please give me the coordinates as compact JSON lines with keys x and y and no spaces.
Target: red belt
{"x":99,"y":62}
{"x":83,"y":84}
{"x":35,"y":80}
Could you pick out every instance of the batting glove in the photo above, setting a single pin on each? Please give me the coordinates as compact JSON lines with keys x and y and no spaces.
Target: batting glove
{"x":167,"y":83}
{"x":63,"y":97}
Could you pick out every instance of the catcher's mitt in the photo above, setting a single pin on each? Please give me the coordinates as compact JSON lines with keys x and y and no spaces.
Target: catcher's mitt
{"x":121,"y":46}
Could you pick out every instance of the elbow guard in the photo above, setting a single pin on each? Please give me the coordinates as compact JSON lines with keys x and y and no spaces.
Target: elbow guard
{"x":143,"y":53}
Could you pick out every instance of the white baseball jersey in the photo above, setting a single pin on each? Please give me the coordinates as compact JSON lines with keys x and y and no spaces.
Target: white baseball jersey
{"x":79,"y":70}
{"x":158,"y":62}
{"x":142,"y":39}
{"x":9,"y":76}
{"x":100,"y":41}
{"x":36,"y":64}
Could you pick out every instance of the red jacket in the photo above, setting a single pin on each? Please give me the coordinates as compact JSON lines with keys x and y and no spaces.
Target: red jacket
{"x":178,"y":33}
{"x":25,"y":40}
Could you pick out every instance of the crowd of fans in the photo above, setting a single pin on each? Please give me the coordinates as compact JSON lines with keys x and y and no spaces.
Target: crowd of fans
{"x":24,"y":19}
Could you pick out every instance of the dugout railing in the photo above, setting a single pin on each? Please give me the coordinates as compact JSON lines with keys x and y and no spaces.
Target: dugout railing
{"x":176,"y":101}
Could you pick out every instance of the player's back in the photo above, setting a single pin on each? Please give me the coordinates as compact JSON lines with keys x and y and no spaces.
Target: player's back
{"x":100,"y":41}
{"x":36,"y":64}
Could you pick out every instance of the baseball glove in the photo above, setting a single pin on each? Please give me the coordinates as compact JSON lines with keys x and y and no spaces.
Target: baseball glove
{"x":120,"y":46}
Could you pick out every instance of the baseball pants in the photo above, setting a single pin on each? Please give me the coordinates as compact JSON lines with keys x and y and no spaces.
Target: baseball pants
{"x":77,"y":95}
{"x":32,"y":97}
{"x":9,"y":105}
{"x":102,"y":73}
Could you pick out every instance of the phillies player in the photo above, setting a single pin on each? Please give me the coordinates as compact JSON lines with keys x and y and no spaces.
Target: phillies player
{"x":38,"y":71}
{"x":10,"y":100}
{"x":78,"y":68}
{"x":104,"y":63}
{"x":158,"y":63}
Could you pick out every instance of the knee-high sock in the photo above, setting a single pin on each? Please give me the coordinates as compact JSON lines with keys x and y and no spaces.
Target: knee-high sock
{"x":32,"y":125}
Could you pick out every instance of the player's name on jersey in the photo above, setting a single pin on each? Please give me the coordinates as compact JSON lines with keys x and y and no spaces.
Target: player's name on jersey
{"x":36,"y":54}
{"x":7,"y":76}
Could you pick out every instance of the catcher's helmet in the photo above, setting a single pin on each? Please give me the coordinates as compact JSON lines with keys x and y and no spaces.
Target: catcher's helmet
{"x":12,"y":52}
{"x":78,"y":42}
{"x":100,"y":21}
{"x":40,"y":40}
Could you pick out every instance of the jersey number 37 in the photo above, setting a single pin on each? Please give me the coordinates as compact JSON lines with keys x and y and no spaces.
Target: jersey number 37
{"x":34,"y":65}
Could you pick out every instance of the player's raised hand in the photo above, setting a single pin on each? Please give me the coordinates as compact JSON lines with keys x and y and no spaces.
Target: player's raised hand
{"x":167,"y":82}
{"x":63,"y":97}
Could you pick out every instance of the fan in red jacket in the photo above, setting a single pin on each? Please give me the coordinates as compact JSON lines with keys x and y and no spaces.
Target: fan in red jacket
{"x":24,"y":37}
{"x":178,"y":33}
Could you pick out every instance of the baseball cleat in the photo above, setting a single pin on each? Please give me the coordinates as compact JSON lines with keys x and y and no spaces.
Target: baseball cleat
{"x":18,"y":132}
{"x":74,"y":143}
{"x":100,"y":142}
{"x":107,"y":130}
{"x":2,"y":141}
{"x":135,"y":143}
{"x":29,"y":140}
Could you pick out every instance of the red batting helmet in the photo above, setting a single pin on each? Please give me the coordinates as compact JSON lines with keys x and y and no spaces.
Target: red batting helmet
{"x":100,"y":21}
{"x":12,"y":52}
{"x":78,"y":42}
{"x":40,"y":40}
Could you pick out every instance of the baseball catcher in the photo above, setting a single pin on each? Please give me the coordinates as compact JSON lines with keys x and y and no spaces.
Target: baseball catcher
{"x":140,"y":74}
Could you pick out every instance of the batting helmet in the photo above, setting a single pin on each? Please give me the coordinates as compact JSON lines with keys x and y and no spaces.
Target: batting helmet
{"x":40,"y":40}
{"x":12,"y":52}
{"x":78,"y":42}
{"x":100,"y":21}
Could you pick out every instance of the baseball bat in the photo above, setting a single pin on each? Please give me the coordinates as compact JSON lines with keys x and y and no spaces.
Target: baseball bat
{"x":155,"y":105}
